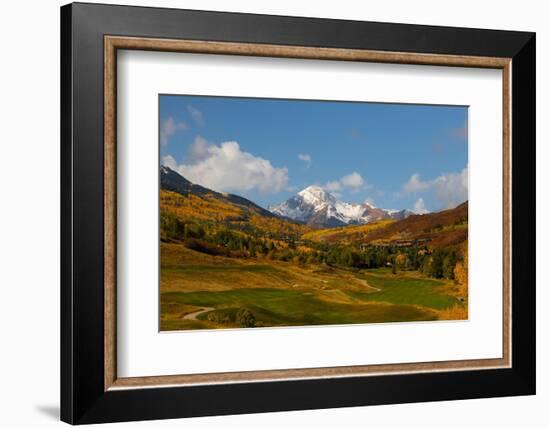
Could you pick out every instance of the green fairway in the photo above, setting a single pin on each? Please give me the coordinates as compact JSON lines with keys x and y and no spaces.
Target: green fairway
{"x":404,"y":288}
{"x":210,"y":295}
{"x":272,"y":307}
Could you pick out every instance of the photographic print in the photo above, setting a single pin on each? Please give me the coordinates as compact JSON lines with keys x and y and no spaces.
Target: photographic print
{"x":281,"y":212}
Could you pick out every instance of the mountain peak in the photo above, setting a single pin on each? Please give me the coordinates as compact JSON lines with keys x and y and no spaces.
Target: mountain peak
{"x":312,"y":189}
{"x":317,"y":207}
{"x":316,"y":195}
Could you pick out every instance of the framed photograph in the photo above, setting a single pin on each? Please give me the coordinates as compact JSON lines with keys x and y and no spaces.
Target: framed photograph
{"x":267,"y":213}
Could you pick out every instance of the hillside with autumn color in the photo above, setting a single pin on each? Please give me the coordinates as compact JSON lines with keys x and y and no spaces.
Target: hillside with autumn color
{"x":226,"y":262}
{"x":437,"y":230}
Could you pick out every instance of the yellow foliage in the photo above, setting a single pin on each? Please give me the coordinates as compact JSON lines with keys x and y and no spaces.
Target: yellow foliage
{"x":193,"y":207}
{"x":456,"y":312}
{"x":401,"y":259}
{"x":461,"y":271}
{"x":277,"y":225}
{"x":345,"y":234}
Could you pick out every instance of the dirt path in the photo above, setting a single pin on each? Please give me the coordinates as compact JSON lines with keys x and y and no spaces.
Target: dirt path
{"x":366,"y":284}
{"x":195,"y":314}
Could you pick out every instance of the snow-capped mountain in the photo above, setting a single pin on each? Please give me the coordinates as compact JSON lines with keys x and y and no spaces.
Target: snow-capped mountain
{"x":317,"y":207}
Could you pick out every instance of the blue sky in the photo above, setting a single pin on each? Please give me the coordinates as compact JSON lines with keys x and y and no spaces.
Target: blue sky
{"x":393,"y":155}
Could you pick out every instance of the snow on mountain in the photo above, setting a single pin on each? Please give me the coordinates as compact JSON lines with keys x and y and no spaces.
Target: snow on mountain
{"x":317,"y":207}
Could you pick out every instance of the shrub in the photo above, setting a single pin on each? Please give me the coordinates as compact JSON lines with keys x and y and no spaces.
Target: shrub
{"x":245,"y":318}
{"x":219,"y":317}
{"x":204,"y":247}
{"x":193,"y":230}
{"x":171,"y":227}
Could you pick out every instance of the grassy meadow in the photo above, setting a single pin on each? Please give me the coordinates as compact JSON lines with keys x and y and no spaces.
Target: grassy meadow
{"x":201,"y":291}
{"x":228,"y":263}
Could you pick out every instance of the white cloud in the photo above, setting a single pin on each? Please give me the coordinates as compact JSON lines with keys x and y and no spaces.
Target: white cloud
{"x":170,"y":162}
{"x":168,"y":128}
{"x":420,"y":207}
{"x":352,"y":182}
{"x":196,"y":115}
{"x":333,"y":186}
{"x":198,"y":151}
{"x":415,"y":184}
{"x":226,"y":168}
{"x":306,"y":158}
{"x":449,"y":190}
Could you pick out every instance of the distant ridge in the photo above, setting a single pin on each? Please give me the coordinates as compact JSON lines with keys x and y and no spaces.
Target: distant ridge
{"x":173,"y":181}
{"x":443,"y":228}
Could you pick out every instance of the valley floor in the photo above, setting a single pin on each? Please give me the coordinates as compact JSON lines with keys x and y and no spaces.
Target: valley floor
{"x":199,"y":291}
